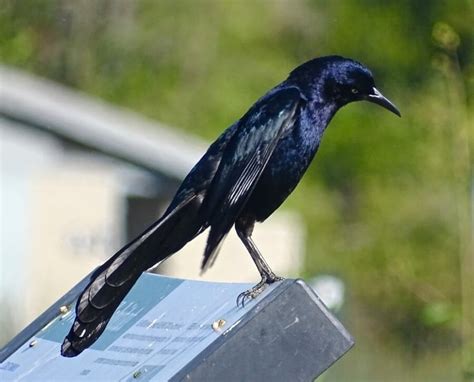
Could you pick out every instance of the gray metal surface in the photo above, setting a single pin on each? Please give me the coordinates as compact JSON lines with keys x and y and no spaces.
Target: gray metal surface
{"x":178,"y":330}
{"x":289,"y":336}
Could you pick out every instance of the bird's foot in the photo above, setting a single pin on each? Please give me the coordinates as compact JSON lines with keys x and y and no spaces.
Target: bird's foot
{"x":273,"y":278}
{"x":255,"y":291}
{"x":251,"y":293}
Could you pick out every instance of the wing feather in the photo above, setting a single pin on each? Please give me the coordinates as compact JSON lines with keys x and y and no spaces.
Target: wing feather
{"x":243,"y":162}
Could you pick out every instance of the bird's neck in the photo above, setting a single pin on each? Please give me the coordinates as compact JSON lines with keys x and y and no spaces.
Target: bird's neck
{"x":321,"y":114}
{"x":313,"y":122}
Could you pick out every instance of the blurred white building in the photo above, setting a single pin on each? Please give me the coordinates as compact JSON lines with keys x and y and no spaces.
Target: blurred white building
{"x":79,"y":178}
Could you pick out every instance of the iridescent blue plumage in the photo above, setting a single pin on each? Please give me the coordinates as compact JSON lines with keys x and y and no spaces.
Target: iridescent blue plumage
{"x":243,"y":177}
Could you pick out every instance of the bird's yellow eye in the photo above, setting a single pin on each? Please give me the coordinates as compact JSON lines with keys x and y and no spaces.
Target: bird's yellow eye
{"x":354,"y":91}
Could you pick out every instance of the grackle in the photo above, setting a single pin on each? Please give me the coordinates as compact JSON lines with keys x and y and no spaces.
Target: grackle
{"x":244,"y":176}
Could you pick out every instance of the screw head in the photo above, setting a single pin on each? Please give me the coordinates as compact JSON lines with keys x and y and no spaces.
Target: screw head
{"x":218,"y":325}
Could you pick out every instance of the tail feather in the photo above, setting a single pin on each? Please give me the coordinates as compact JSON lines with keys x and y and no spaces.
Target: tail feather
{"x":112,"y":281}
{"x":214,"y":243}
{"x":82,"y":335}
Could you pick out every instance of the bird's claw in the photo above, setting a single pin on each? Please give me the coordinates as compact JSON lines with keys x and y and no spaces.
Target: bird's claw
{"x":255,"y":291}
{"x":249,"y":295}
{"x":275,"y":279}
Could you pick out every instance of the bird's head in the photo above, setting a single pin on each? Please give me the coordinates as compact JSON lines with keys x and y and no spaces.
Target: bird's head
{"x":341,"y":81}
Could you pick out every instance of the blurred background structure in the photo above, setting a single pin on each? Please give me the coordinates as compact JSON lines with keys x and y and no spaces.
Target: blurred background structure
{"x":386,"y":206}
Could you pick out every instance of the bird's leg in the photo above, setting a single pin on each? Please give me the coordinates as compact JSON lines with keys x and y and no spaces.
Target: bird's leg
{"x":262,"y":266}
{"x":244,"y":231}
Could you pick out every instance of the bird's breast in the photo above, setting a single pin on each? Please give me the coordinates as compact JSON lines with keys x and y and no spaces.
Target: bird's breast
{"x":293,"y":154}
{"x":284,"y":170}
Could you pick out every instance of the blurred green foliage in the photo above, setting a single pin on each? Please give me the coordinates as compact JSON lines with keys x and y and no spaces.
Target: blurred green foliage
{"x":386,"y":201}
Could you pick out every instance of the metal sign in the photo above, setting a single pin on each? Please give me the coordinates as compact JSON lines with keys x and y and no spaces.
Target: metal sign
{"x":172,"y":329}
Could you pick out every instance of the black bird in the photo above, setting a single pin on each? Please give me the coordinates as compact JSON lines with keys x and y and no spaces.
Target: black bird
{"x":244,"y":176}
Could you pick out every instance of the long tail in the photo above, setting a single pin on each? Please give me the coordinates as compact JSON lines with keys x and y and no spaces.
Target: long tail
{"x":111,"y":282}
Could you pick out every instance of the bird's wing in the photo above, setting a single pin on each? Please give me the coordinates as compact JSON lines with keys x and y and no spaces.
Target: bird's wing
{"x":244,"y":160}
{"x":110,"y":283}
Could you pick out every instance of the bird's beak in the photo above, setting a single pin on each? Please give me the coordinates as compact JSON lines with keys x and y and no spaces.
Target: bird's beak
{"x":380,"y":99}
